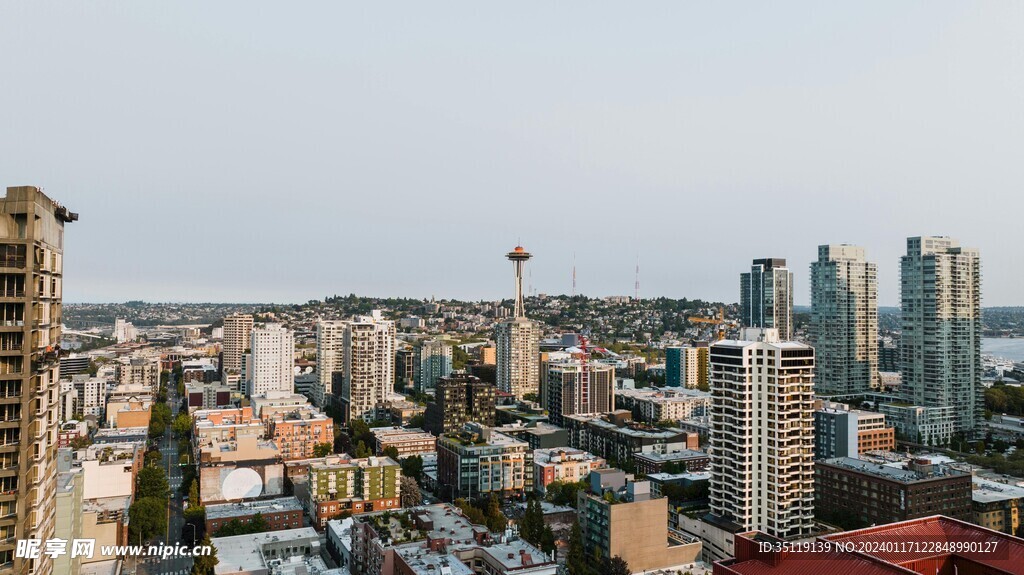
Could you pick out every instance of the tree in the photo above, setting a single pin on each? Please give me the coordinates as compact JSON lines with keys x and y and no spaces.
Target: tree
{"x":81,"y":442}
{"x":411,"y":495}
{"x":547,"y":541}
{"x":182,"y":425}
{"x":615,"y":566}
{"x":147,"y":518}
{"x":392,"y":452}
{"x":576,"y":560}
{"x":205,"y":564}
{"x":358,"y":430}
{"x":236,"y":527}
{"x":531,"y":525}
{"x":153,"y":457}
{"x":361,"y":450}
{"x":496,"y":520}
{"x":417,"y":421}
{"x":152,"y":482}
{"x":412,"y":466}
{"x":322,"y":449}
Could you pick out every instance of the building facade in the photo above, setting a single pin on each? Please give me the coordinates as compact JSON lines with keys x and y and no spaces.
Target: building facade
{"x":762,"y":433}
{"x":31,"y":280}
{"x":459,"y":399}
{"x":687,"y":366}
{"x":766,"y":296}
{"x":330,"y":359}
{"x":876,"y":494}
{"x":571,"y":392}
{"x":273,"y":360}
{"x":369,"y":367}
{"x":940,"y":345}
{"x":843,"y":432}
{"x":844,"y":320}
{"x":479,"y":461}
{"x":433,"y":360}
{"x":337,"y":485}
{"x":237,"y":339}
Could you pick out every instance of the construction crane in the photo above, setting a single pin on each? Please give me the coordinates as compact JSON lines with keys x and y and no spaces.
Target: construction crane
{"x":718,"y":321}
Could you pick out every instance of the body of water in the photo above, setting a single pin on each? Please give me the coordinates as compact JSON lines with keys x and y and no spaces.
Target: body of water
{"x":1009,"y":347}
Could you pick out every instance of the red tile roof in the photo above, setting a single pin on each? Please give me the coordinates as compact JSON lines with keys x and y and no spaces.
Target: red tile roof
{"x":915,"y":546}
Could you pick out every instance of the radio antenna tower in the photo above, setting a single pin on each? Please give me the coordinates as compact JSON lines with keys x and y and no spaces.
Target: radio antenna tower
{"x":574,"y":274}
{"x":636,"y":284}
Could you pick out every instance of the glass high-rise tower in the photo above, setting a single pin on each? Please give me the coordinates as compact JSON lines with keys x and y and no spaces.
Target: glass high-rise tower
{"x":766,"y":296}
{"x":940,"y":345}
{"x":844,"y":320}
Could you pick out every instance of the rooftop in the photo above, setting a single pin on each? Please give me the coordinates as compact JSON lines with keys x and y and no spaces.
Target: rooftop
{"x":894,"y":472}
{"x":679,"y":455}
{"x":228,"y":510}
{"x":245,"y":552}
{"x":986,"y":491}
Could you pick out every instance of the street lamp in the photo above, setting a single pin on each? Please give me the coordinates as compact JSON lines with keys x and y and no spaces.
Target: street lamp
{"x":193,"y":526}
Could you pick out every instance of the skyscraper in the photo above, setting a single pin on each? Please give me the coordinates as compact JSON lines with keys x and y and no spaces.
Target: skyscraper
{"x":330,"y":359}
{"x":31,"y":272}
{"x":433,"y":361}
{"x":369,"y":368}
{"x":762,"y":433}
{"x":567,"y":394}
{"x":766,"y":296}
{"x":237,"y":336}
{"x":518,"y":341}
{"x":940,"y":345}
{"x":844,"y":320}
{"x":273,"y":360}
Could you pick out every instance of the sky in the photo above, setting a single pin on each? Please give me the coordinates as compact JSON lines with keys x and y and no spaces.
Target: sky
{"x":278,"y":151}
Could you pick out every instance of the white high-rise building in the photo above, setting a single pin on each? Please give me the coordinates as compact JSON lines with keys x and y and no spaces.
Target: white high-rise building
{"x":518,"y":341}
{"x":844,"y":320}
{"x":272,"y":366}
{"x":766,"y":296}
{"x":237,"y":336}
{"x":124,"y":331}
{"x":433,"y":361}
{"x":940,"y":343}
{"x":762,"y":433}
{"x":330,"y":359}
{"x":369,"y":370}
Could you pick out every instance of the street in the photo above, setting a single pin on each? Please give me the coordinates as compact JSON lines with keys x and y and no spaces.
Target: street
{"x":175,"y":518}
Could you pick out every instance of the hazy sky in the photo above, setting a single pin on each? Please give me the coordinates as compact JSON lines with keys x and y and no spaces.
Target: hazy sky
{"x":252,"y":151}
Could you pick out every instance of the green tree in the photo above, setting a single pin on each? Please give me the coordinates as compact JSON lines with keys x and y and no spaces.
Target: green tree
{"x":153,"y":457}
{"x":547,"y":540}
{"x":236,"y":527}
{"x":81,"y":442}
{"x":417,"y":421}
{"x":496,"y":520}
{"x":615,"y":566}
{"x":322,"y":449}
{"x":361,"y":450}
{"x":147,"y":518}
{"x":576,"y":559}
{"x":412,"y":466}
{"x":392,"y":452}
{"x":459,"y":358}
{"x":182,"y":425}
{"x":152,"y":482}
{"x":205,"y":564}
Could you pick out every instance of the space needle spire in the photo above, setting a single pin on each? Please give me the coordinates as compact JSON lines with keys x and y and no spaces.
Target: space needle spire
{"x":518,"y":257}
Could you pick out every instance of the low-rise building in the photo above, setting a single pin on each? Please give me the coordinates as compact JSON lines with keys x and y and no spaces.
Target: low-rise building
{"x":405,"y":441}
{"x":479,"y":461}
{"x":620,"y":518}
{"x":563,"y":464}
{"x":653,"y":404}
{"x":270,"y":552}
{"x":298,"y":432}
{"x":616,"y":437}
{"x":997,"y":506}
{"x":434,"y":540}
{"x":870,"y":493}
{"x":132,"y":411}
{"x":280,"y":513}
{"x":680,"y":461}
{"x":537,"y":435}
{"x":337,"y":485}
{"x":843,"y":432}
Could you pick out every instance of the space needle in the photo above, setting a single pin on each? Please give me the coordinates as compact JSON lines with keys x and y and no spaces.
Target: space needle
{"x":518,"y":257}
